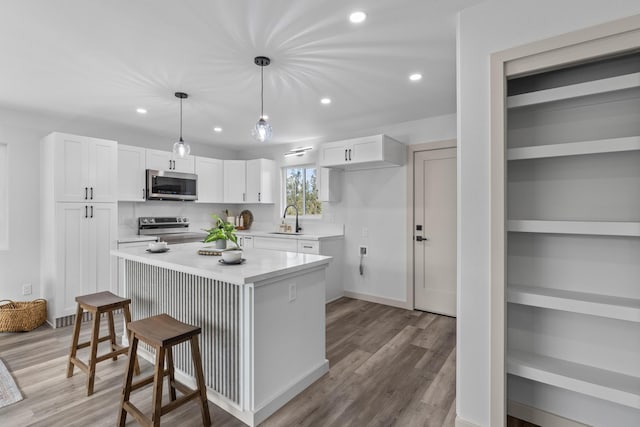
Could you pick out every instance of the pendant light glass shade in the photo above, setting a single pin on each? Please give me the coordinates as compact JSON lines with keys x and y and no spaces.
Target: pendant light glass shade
{"x":181,"y":148}
{"x":262,"y":130}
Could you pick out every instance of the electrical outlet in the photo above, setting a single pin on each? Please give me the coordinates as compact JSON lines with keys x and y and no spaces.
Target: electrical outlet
{"x":292,"y":292}
{"x":363,"y":250}
{"x":26,"y":289}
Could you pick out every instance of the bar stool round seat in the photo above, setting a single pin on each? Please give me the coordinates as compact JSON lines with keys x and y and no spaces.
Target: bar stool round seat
{"x":97,"y":304}
{"x":162,"y":332}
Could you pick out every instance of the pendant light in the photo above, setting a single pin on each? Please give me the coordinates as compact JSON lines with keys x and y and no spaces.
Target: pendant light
{"x":181,"y":148}
{"x":262,"y":129}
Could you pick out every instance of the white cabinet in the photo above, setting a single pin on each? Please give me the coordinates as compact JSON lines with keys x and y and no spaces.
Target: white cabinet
{"x":363,"y":153}
{"x":78,"y":221}
{"x":131,"y":173}
{"x":210,"y":180}
{"x":235,"y":181}
{"x":84,"y":235}
{"x":273,"y":243}
{"x":330,"y":185}
{"x":245,"y":242}
{"x":309,"y":247}
{"x":261,"y":180}
{"x":167,"y":161}
{"x":84,"y":168}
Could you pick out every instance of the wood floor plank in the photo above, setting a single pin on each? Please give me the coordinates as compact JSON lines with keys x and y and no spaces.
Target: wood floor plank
{"x":388,"y":367}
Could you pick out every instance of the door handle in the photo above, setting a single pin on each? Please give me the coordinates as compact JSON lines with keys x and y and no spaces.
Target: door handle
{"x":86,"y":193}
{"x":86,"y":211}
{"x":345,"y":155}
{"x":259,"y":198}
{"x":91,"y":193}
{"x":91,"y":211}
{"x":349,"y":154}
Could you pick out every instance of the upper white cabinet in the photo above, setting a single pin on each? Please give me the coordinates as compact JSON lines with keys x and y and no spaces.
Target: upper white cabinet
{"x":131,"y":173}
{"x":235,"y":181}
{"x":363,"y":153}
{"x":330,"y":185}
{"x":210,"y":180}
{"x":261,"y":179}
{"x":167,"y":161}
{"x":84,"y":168}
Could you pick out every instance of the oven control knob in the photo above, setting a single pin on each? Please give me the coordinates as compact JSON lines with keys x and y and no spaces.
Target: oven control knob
{"x":179,"y":219}
{"x":185,"y":219}
{"x":144,"y":220}
{"x":151,"y":220}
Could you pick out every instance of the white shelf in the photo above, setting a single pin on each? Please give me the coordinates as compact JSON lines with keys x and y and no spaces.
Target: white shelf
{"x":596,"y":228}
{"x":575,"y":148}
{"x":576,"y":302}
{"x":595,"y":87}
{"x":596,"y":382}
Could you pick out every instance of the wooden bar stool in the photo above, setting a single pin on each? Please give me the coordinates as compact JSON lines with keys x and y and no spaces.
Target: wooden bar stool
{"x":101,"y":302}
{"x":163,"y":332}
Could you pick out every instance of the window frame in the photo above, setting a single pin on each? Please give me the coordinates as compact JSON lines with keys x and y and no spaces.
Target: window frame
{"x":283,"y":198}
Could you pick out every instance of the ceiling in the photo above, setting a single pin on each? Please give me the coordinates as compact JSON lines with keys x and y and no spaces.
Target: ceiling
{"x":104,"y":59}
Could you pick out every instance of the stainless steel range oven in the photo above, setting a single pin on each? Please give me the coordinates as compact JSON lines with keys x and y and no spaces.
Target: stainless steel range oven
{"x":172,"y":230}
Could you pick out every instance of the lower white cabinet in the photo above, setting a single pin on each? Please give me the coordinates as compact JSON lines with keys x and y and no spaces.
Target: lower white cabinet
{"x":76,"y":259}
{"x":288,"y":245}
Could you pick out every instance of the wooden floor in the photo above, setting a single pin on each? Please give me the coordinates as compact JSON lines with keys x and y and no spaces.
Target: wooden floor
{"x":389,"y":367}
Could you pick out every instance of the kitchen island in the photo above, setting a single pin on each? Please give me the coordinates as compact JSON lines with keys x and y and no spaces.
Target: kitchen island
{"x":263,"y":321}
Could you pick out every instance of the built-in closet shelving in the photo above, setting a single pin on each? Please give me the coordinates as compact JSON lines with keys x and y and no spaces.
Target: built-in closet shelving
{"x":573,"y":242}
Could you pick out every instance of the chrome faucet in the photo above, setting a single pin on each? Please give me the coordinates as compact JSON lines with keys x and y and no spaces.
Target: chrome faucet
{"x":298,"y":228}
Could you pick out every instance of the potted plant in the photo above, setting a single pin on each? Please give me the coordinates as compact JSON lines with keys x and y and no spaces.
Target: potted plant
{"x":221,"y":232}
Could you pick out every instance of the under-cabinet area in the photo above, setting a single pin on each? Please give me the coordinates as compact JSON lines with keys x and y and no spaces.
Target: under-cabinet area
{"x":573,"y":243}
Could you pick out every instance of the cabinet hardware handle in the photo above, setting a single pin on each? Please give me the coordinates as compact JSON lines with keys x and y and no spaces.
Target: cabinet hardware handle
{"x":144,"y":194}
{"x":259,"y":197}
{"x":86,"y":211}
{"x":308,"y":247}
{"x":420,"y":238}
{"x":345,"y":155}
{"x":86,"y":195}
{"x":174,"y":165}
{"x":349,"y":154}
{"x":91,"y":193}
{"x":244,"y":197}
{"x":91,"y":211}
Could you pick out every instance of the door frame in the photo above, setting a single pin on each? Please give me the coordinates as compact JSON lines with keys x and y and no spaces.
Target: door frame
{"x":574,"y":47}
{"x":411,"y":152}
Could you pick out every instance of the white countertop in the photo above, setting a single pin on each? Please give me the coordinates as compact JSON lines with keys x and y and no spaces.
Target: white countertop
{"x":301,"y":236}
{"x":259,"y":265}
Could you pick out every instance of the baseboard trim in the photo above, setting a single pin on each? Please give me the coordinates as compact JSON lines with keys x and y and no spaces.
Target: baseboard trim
{"x":538,"y":416}
{"x":378,"y":300}
{"x":464,"y":423}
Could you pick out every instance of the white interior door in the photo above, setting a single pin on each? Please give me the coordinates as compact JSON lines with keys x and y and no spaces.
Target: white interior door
{"x":435,"y":231}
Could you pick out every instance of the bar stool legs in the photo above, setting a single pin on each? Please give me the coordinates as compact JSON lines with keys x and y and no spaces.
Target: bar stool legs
{"x":97,"y":304}
{"x":162,"y":333}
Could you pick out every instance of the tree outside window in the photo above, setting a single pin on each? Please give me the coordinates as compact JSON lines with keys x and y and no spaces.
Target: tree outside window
{"x":301,"y":184}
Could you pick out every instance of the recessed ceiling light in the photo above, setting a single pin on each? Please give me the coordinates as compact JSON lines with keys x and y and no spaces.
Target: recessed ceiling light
{"x":326,"y":100}
{"x":357,"y":17}
{"x":141,"y":111}
{"x":217,"y":129}
{"x":415,"y":77}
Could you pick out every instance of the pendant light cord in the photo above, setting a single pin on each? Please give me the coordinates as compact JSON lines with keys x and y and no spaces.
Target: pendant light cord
{"x":181,"y":120}
{"x":262,"y":92}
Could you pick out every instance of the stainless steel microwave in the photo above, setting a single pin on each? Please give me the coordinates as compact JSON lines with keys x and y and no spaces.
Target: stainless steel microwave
{"x":168,"y":185}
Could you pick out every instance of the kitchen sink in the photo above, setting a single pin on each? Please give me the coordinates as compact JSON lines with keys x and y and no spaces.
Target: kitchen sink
{"x":286,"y":233}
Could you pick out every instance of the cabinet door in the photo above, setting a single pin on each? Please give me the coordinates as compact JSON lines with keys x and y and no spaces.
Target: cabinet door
{"x":184,"y":165}
{"x":71,"y":256}
{"x":159,"y":160}
{"x":71,"y":168}
{"x":333,"y":154}
{"x":103,"y":170}
{"x":260,"y":181}
{"x":210,"y":180}
{"x":288,"y":245}
{"x":102,"y":238}
{"x":234,"y":181}
{"x":246,"y":242}
{"x":309,"y":247}
{"x":131,"y":173}
{"x":365,"y":150}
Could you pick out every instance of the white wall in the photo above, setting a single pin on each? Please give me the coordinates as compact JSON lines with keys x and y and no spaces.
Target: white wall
{"x":375,"y":200}
{"x":490,"y":27}
{"x":22,"y":131}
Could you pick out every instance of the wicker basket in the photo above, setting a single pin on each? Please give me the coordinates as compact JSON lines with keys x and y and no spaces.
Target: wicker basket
{"x":22,"y":316}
